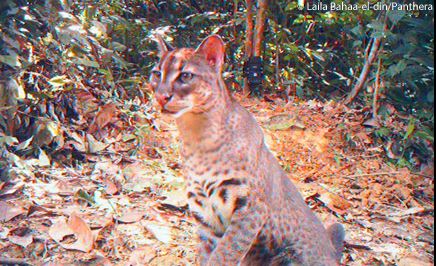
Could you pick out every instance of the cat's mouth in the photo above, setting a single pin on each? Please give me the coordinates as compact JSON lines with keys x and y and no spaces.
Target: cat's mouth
{"x":176,"y":113}
{"x":169,"y":112}
{"x":177,"y":108}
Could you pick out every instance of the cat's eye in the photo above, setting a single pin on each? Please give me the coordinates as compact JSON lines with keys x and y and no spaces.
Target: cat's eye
{"x":185,"y":77}
{"x":156,"y":73}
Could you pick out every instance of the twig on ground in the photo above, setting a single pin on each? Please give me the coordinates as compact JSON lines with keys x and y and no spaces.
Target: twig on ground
{"x":356,"y":246}
{"x":382,"y":173}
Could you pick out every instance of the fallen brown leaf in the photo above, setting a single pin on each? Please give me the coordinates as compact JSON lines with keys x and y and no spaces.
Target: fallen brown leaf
{"x":411,"y":211}
{"x":175,"y":197}
{"x":142,"y":256}
{"x":74,"y":226}
{"x":106,"y":115}
{"x":130,"y":216}
{"x":8,"y":212}
{"x":23,"y":241}
{"x":334,"y":202}
{"x":95,"y":146}
{"x":414,"y":261}
{"x":111,"y":187}
{"x":161,"y":233}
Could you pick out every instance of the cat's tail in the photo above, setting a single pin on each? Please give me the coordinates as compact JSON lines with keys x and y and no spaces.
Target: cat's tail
{"x":336,"y":232}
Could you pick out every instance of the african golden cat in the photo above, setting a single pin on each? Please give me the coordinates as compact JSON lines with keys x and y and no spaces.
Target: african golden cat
{"x":248,"y":210}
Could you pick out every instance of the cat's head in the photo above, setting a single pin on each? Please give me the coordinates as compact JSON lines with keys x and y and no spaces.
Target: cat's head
{"x":188,"y":80}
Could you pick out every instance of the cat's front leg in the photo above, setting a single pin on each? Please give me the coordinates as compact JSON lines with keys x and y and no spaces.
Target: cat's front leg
{"x":242,"y":232}
{"x":206,"y":245}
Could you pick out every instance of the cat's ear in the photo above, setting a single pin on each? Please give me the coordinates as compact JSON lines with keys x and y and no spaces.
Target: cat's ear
{"x":213,"y":49}
{"x":162,"y":45}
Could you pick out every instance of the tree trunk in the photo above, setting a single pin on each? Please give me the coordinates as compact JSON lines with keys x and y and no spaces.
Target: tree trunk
{"x":248,"y":40}
{"x":365,"y":71}
{"x":254,"y":39}
{"x":260,"y":27}
{"x":371,"y":55}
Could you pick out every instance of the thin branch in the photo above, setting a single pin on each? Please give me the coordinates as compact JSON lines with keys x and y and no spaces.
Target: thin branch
{"x":371,"y":174}
{"x":368,"y":48}
{"x":423,"y":175}
{"x":277,"y":63}
{"x":376,"y":90}
{"x":356,"y":246}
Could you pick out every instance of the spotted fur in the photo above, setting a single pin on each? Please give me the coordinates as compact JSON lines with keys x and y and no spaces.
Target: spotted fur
{"x":248,"y":211}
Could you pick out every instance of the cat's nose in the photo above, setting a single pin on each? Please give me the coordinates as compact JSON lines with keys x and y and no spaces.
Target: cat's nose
{"x":163,"y":98}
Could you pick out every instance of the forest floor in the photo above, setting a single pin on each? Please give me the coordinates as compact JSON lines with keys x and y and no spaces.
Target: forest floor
{"x":125,"y":205}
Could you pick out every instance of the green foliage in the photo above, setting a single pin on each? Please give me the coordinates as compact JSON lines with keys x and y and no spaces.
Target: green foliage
{"x":324,"y":52}
{"x":54,"y":48}
{"x":89,"y":41}
{"x":57,"y":57}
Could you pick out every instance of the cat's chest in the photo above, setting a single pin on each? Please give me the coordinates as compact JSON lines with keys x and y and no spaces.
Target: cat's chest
{"x":213,"y":196}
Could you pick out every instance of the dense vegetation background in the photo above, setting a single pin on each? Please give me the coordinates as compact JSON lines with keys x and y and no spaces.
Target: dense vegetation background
{"x":51,"y":49}
{"x":78,"y":126}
